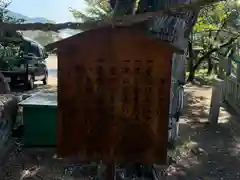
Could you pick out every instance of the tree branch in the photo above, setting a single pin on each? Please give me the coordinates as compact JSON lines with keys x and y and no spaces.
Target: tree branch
{"x":119,"y":21}
{"x":221,"y":30}
{"x":206,"y":55}
{"x":222,"y":26}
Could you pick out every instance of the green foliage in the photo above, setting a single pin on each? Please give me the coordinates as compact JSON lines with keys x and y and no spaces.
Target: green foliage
{"x":215,"y":32}
{"x":96,"y":10}
{"x":215,"y":24}
{"x":3,"y":13}
{"x":210,"y":17}
{"x":10,"y":40}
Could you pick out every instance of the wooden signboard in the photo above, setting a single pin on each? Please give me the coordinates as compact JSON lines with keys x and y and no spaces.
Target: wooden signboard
{"x":114,"y":89}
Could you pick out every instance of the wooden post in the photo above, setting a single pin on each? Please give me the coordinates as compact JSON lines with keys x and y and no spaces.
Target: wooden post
{"x":216,"y":100}
{"x":110,"y":171}
{"x":221,"y":69}
{"x":228,"y":67}
{"x":238,"y":71}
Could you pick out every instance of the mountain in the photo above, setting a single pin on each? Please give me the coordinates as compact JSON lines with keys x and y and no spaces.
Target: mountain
{"x":26,"y":18}
{"x":34,"y":34}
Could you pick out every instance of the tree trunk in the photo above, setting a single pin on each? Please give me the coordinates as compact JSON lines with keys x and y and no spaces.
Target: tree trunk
{"x":190,"y":57}
{"x":191,"y":74}
{"x":195,"y":67}
{"x":210,"y":66}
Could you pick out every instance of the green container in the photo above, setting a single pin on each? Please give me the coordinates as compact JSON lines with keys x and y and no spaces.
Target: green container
{"x":40,"y":119}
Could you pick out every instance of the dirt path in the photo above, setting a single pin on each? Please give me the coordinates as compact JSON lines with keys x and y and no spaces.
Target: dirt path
{"x":207,"y":152}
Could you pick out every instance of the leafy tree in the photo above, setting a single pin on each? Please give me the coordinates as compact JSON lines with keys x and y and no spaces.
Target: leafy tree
{"x":96,"y":10}
{"x":215,"y":30}
{"x":7,"y":43}
{"x":8,"y":38}
{"x":3,"y":13}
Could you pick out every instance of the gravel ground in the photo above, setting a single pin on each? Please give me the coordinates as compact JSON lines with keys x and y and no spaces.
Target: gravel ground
{"x":42,"y":164}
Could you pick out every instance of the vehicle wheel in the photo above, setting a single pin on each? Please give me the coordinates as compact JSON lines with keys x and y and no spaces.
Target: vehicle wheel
{"x":45,"y":80}
{"x":30,"y":83}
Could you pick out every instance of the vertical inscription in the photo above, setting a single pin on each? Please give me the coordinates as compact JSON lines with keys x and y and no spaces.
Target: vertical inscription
{"x":137,"y":109}
{"x":111,"y":94}
{"x":126,"y":87}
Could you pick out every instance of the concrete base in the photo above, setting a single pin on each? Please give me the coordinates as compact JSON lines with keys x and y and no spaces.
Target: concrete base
{"x":216,"y":100}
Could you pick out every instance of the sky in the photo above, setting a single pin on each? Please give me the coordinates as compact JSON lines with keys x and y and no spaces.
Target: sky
{"x":55,"y":10}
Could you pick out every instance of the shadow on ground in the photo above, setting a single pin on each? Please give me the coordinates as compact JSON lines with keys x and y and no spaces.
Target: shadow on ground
{"x":208,"y":151}
{"x":203,"y":81}
{"x":38,"y":87}
{"x":200,"y":82}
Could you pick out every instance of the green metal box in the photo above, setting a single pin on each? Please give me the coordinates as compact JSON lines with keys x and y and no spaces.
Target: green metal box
{"x":40,"y":119}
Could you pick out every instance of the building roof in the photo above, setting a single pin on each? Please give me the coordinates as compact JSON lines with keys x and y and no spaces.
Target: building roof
{"x":55,"y":45}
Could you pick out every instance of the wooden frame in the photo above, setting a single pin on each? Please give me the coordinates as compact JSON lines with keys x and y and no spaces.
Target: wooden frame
{"x":113,"y":99}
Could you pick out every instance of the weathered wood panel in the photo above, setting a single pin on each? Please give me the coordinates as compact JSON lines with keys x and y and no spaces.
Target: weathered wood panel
{"x":114,"y":87}
{"x":232,"y":92}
